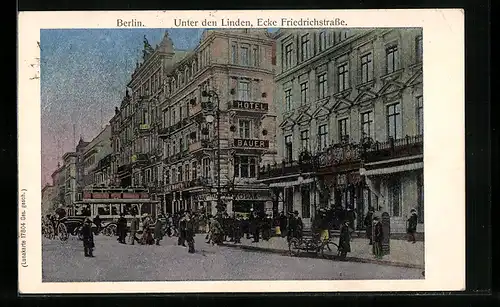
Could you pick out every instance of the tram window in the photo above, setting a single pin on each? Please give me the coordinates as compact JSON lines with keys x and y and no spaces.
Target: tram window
{"x":103,"y":210}
{"x":127,"y":209}
{"x":115,"y":209}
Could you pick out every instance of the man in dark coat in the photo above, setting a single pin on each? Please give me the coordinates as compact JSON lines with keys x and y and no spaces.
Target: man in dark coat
{"x":236,"y":229}
{"x":283,"y":224}
{"x":412,"y":225}
{"x":159,"y":228}
{"x":97,"y":223}
{"x":189,"y":232}
{"x":182,"y":231}
{"x":295,"y":226}
{"x":351,"y":217}
{"x":378,"y":234}
{"x":344,"y":240}
{"x":368,"y":222}
{"x":122,"y":228}
{"x":256,"y":226}
{"x":88,"y":238}
{"x":267,"y":224}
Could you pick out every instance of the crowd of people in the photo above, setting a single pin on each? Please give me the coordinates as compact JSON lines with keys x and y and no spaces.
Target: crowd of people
{"x":223,"y":227}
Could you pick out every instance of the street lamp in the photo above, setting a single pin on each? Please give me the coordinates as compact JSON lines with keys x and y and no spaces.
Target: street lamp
{"x":210,"y":119}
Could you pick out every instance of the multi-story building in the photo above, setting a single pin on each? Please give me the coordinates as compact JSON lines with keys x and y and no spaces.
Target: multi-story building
{"x":96,"y":167}
{"x":136,"y":159}
{"x":58,"y":181}
{"x":80,"y":177}
{"x":48,"y":194}
{"x":350,"y":116}
{"x":68,"y":173}
{"x":236,"y":69}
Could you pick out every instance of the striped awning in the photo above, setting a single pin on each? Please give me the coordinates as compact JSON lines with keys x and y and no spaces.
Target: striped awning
{"x":290,"y":183}
{"x":391,"y":170}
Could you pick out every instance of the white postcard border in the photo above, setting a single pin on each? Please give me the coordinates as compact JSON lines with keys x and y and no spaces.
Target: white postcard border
{"x":444,"y":148}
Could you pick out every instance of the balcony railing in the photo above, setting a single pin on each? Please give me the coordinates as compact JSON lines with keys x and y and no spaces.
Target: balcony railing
{"x":286,"y":169}
{"x":198,"y":145}
{"x":194,"y":109}
{"x":394,"y":148}
{"x":163,"y":132}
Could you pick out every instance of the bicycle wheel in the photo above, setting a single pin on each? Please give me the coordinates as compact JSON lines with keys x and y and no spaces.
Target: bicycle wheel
{"x":294,"y":247}
{"x":62,"y":231}
{"x":330,"y":246}
{"x":111,"y":230}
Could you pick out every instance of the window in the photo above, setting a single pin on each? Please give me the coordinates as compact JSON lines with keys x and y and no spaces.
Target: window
{"x":322,"y":41}
{"x":194,"y":170}
{"x":288,"y":148}
{"x":366,"y":68}
{"x":244,"y":90}
{"x":288,"y":99}
{"x":304,"y":139}
{"x":322,"y":86}
{"x":244,"y":128}
{"x":303,"y":92}
{"x":343,"y":77}
{"x":206,"y":167}
{"x":245,"y":56}
{"x":255,"y":56}
{"x":419,"y":48}
{"x":367,"y":125}
{"x":343,"y":133}
{"x":245,"y":167}
{"x":305,"y":47}
{"x":392,"y":59}
{"x":323,"y":136}
{"x":394,"y":191}
{"x":179,"y":174}
{"x":394,"y":124}
{"x":234,"y":54}
{"x":306,"y":203}
{"x":186,"y":172}
{"x":186,"y":142}
{"x":288,"y":55}
{"x":420,"y":115}
{"x":181,"y":145}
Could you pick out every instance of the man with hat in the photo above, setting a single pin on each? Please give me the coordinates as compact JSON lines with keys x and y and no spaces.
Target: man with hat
{"x":295,"y":226}
{"x":378,"y":234}
{"x":345,"y":239}
{"x":121,"y":228}
{"x":88,"y":238}
{"x":369,"y":224}
{"x":412,"y":226}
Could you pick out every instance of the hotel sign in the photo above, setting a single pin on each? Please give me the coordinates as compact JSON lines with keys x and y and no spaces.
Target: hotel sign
{"x":251,"y":143}
{"x":250,"y":106}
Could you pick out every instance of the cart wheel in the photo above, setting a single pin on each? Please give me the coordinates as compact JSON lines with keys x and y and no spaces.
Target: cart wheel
{"x":110,"y":230}
{"x":62,"y":232}
{"x":294,"y":247}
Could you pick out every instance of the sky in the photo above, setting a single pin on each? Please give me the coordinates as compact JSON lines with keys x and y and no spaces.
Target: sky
{"x":83,"y":75}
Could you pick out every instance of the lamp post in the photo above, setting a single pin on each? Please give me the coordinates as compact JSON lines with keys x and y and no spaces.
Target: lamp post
{"x":210,"y":119}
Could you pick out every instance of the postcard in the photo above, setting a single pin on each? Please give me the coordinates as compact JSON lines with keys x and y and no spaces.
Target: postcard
{"x":241,"y":151}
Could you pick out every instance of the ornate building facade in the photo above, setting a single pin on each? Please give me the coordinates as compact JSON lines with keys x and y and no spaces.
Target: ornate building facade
{"x":350,"y":116}
{"x":234,"y":69}
{"x":97,"y":152}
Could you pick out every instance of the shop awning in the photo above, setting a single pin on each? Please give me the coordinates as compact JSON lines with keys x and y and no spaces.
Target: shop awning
{"x":391,"y":170}
{"x":116,"y":201}
{"x":290,"y":183}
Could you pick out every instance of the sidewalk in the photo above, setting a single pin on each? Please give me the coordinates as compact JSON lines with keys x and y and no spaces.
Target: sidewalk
{"x":402,"y":253}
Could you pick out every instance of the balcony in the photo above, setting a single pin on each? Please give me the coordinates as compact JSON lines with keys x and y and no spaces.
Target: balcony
{"x":140,"y":158}
{"x":251,"y":143}
{"x":145,"y":128}
{"x":198,"y":145}
{"x":249,"y":107}
{"x":286,"y":169}
{"x":197,"y":108}
{"x":124,"y":168}
{"x":198,"y":182}
{"x":163,"y":133}
{"x":394,"y":148}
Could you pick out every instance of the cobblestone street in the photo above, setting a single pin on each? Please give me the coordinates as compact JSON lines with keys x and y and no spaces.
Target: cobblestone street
{"x":64,"y":262}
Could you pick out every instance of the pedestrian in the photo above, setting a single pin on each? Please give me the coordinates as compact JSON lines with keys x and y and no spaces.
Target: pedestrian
{"x":276,"y":225}
{"x":190,"y":232}
{"x":122,"y":228}
{"x":345,"y":239}
{"x":97,"y":221}
{"x":412,"y":226}
{"x":256,"y":226}
{"x":323,"y":225}
{"x":88,"y":238}
{"x":283,"y":224}
{"x":368,"y":222}
{"x":147,"y":235}
{"x":216,"y":231}
{"x":237,"y":229}
{"x":295,"y":226}
{"x":134,"y":227}
{"x":351,"y":217}
{"x":267,"y":224}
{"x":182,"y":231}
{"x":378,"y":234}
{"x":159,"y":225}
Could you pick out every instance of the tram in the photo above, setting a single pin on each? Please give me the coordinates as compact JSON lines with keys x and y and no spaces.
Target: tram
{"x":108,"y":203}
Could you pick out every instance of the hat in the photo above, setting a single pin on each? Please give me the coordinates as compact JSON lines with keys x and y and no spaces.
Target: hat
{"x":296,"y":212}
{"x":87,"y":220}
{"x":413,"y":210}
